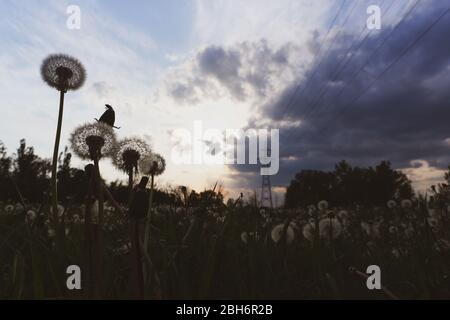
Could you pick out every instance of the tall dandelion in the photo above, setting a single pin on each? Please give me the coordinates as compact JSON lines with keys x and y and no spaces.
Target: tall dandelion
{"x":94,"y":141}
{"x":152,"y":165}
{"x":126,"y":156}
{"x":63,"y":73}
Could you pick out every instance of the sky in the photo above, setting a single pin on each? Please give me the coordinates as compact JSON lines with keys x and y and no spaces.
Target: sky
{"x":334,"y":88}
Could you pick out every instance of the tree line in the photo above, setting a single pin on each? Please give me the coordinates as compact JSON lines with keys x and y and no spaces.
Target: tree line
{"x":24,"y":176}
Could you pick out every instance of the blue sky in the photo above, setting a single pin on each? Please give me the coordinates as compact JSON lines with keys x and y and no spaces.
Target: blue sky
{"x":154,"y":62}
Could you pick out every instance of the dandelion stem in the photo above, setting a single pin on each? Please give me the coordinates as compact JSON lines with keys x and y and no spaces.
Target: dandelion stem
{"x":149,"y":215}
{"x":99,"y":254}
{"x":55,"y":157}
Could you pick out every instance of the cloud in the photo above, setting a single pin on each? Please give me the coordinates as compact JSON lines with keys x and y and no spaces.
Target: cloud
{"x":243,"y":72}
{"x":423,"y":174}
{"x":402,"y":117}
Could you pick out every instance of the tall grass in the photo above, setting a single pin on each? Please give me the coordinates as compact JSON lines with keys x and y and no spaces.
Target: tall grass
{"x":231,"y":252}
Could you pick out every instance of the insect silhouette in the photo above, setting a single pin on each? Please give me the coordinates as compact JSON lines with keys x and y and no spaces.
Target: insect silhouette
{"x":108,"y":117}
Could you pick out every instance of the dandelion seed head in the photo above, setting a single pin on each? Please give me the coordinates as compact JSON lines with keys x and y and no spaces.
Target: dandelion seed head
{"x":152,"y":164}
{"x":90,"y":135}
{"x":127,"y":153}
{"x":308,"y":231}
{"x":277,"y":233}
{"x":322,"y":205}
{"x":63,"y":72}
{"x":391,"y":204}
{"x":342,"y":215}
{"x":31,"y":215}
{"x":330,"y":228}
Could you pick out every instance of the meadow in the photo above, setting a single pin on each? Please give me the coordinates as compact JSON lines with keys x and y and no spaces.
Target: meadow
{"x":232,"y":251}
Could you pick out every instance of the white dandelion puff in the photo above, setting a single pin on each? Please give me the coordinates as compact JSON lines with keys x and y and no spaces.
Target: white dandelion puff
{"x":309,"y":231}
{"x":330,"y":228}
{"x":31,"y":216}
{"x":391,"y":204}
{"x":93,"y":140}
{"x":277,"y":233}
{"x":128,"y":152}
{"x":152,"y":164}
{"x":322,"y":205}
{"x":342,"y":215}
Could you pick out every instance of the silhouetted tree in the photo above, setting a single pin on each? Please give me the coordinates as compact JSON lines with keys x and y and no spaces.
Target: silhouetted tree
{"x":6,"y":189}
{"x":348,"y":185}
{"x":30,"y":173}
{"x":72,"y":182}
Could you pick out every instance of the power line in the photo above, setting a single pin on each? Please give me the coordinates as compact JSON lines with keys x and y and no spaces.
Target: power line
{"x":366,"y":62}
{"x":317,"y":53}
{"x":317,"y":67}
{"x":402,"y":54}
{"x":341,"y":66}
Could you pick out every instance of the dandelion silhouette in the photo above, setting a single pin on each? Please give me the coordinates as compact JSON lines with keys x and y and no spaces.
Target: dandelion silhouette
{"x":128,"y":152}
{"x":126,"y":156}
{"x":93,"y":141}
{"x":153,"y":165}
{"x":330,"y":228}
{"x":63,"y":73}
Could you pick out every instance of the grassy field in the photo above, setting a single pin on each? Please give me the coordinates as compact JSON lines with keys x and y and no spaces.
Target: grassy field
{"x":236,"y":251}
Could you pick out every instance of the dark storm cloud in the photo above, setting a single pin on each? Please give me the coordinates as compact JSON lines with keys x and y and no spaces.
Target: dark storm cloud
{"x":403,"y":116}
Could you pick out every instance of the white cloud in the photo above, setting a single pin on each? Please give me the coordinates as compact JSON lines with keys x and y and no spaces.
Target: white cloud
{"x":423,"y":175}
